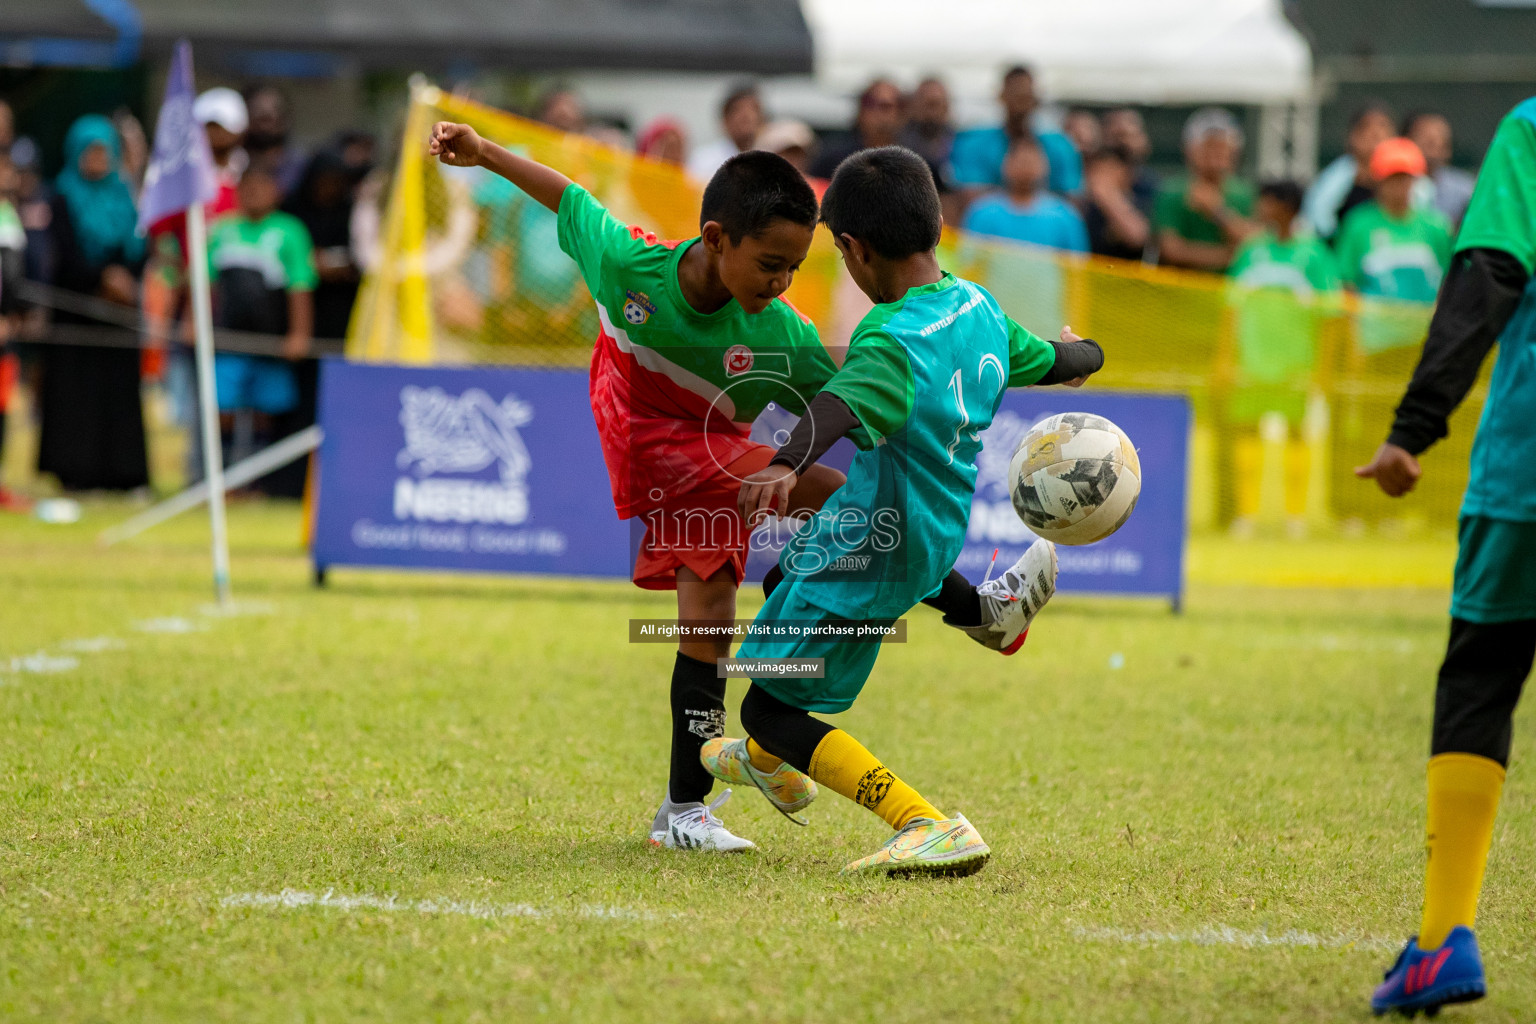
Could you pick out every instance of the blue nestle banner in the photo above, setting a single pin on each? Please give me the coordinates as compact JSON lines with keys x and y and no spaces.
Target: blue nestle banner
{"x":487,"y":470}
{"x":494,"y":470}
{"x":1146,"y":555}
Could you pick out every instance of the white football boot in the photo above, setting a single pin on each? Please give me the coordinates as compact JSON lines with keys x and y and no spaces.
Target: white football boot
{"x":697,"y":828}
{"x":1011,"y":602}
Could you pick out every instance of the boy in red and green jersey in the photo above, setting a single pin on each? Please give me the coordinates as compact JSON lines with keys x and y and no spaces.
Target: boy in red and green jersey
{"x":694,"y":343}
{"x":659,"y":360}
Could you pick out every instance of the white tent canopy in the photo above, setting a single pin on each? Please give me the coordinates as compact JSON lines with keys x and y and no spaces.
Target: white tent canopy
{"x":1138,"y":51}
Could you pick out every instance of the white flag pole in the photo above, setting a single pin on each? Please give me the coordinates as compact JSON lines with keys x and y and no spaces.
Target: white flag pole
{"x":208,"y":399}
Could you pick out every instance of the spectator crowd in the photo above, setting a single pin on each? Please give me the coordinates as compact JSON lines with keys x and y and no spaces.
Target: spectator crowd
{"x":281,"y":264}
{"x":288,"y":235}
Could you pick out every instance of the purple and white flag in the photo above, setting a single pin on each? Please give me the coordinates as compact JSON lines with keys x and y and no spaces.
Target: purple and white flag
{"x":181,"y":170}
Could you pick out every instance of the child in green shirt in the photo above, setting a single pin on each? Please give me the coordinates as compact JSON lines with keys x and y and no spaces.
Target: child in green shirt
{"x":1283,"y":284}
{"x":263,"y":265}
{"x":1284,"y":288}
{"x":1389,"y":249}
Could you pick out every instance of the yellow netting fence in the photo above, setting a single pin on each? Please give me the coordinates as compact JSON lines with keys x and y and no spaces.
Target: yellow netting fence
{"x":1289,"y":394}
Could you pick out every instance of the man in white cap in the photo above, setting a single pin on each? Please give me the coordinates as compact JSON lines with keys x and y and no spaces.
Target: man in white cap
{"x":222,"y":114}
{"x":1201,"y":217}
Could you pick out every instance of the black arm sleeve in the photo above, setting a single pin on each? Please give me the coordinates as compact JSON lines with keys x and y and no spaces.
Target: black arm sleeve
{"x":826,"y":419}
{"x":1074,"y":359}
{"x":1481,"y":290}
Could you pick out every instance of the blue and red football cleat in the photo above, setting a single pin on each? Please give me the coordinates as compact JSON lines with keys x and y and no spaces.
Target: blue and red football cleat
{"x":1427,"y":979}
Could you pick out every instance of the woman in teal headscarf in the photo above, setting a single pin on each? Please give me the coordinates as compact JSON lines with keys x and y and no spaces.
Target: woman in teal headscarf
{"x":92,"y":420}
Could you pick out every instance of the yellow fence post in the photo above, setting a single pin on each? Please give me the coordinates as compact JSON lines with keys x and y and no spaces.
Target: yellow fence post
{"x":393,"y":321}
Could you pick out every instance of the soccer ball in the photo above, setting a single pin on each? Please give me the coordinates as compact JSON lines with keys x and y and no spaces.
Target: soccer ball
{"x":1074,"y":478}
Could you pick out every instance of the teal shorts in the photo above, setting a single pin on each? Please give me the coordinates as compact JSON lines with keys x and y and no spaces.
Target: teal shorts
{"x":848,"y":663}
{"x":1495,"y":571}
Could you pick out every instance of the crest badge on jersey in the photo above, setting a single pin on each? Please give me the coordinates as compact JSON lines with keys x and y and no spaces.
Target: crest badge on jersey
{"x":638,"y":308}
{"x":738,"y":360}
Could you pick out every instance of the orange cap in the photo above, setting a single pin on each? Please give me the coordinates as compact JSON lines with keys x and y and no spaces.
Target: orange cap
{"x":1397,"y":156}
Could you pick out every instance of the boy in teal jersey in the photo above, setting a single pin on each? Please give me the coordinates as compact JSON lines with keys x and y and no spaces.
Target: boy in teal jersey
{"x":925,"y":374}
{"x":1388,"y":249}
{"x":1489,"y":297}
{"x":694,"y":342}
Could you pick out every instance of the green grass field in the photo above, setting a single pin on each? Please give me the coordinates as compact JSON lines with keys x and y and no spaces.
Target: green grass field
{"x":449,"y":779}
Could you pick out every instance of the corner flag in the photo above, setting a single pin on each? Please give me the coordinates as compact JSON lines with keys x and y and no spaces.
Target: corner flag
{"x":181,"y":177}
{"x":180,"y":172}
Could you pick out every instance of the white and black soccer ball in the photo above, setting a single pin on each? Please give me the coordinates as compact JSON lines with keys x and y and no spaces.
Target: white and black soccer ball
{"x":634,"y":313}
{"x":1074,"y":478}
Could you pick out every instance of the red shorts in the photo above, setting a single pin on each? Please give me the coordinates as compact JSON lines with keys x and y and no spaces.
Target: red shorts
{"x":702,"y":529}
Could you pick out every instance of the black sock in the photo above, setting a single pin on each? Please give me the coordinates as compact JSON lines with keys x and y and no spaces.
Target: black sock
{"x":958,"y":600}
{"x":698,"y":714}
{"x":771,"y":579}
{"x":781,"y":729}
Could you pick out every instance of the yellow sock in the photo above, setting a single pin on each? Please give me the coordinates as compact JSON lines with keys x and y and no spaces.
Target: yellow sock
{"x":1463,"y":800}
{"x":761,"y":759}
{"x":843,"y":765}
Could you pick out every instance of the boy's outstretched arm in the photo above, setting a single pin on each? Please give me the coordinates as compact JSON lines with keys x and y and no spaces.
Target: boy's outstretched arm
{"x":459,"y":145}
{"x":1033,"y":360}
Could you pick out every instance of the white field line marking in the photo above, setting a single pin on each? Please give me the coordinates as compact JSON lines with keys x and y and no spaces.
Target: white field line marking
{"x":169,"y":624}
{"x":1333,"y":643}
{"x":42,"y":663}
{"x":1222,"y":935}
{"x":93,"y":644}
{"x":235,"y":609}
{"x":290,"y":899}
